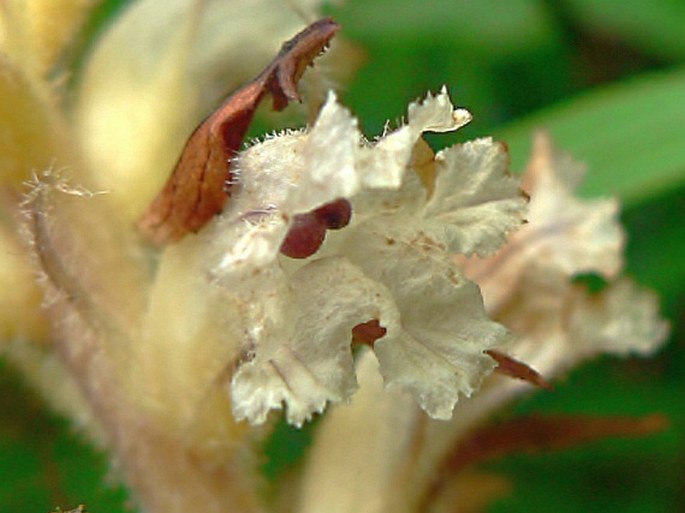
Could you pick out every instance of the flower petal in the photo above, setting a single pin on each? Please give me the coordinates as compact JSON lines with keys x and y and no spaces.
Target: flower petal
{"x":578,"y":235}
{"x":623,"y":319}
{"x":437,"y":114}
{"x":436,"y":352}
{"x":293,"y":173}
{"x":301,"y":353}
{"x":564,"y":234}
{"x":385,"y":165}
{"x":475,"y":201}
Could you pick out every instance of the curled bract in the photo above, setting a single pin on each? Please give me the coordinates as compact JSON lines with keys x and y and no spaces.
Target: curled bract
{"x":391,"y":264}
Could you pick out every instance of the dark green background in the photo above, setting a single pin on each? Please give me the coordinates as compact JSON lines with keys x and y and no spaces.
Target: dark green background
{"x":607,"y":77}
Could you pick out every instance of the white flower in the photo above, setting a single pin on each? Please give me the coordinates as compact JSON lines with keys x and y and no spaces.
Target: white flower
{"x":528,"y":286}
{"x":328,"y":242}
{"x":391,"y":264}
{"x":364,"y":452}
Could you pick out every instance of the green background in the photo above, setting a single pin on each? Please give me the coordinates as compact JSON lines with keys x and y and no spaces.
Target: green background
{"x":607,"y":78}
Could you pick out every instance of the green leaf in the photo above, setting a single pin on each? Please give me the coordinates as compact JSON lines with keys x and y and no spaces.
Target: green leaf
{"x":489,"y":54}
{"x":656,"y":250}
{"x":655,"y":26}
{"x":631,"y":136}
{"x":43,"y":463}
{"x":503,"y":27}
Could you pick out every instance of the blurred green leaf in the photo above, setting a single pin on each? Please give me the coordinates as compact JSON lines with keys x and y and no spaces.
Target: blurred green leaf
{"x":498,"y":59}
{"x":656,"y":26}
{"x":629,"y":135}
{"x":504,"y":28}
{"x":656,"y":247}
{"x":43,"y":463}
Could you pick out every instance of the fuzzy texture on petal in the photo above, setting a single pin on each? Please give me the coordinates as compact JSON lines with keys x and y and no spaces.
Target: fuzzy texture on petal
{"x":437,"y":352}
{"x":557,"y":323}
{"x":296,"y":172}
{"x":528,"y":286}
{"x":475,"y":199}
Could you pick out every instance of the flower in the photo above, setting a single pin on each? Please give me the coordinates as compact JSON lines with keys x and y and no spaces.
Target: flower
{"x":153,"y":349}
{"x":391,"y":264}
{"x":386,"y":444}
{"x":329,"y":278}
{"x":97,"y":152}
{"x":529,"y":285}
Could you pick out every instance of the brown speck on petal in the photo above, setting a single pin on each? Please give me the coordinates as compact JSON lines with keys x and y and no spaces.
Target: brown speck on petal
{"x":367,"y":333}
{"x":305,"y":236}
{"x":308,"y":231}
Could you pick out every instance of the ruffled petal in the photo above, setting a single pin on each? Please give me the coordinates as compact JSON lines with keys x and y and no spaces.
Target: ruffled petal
{"x":293,"y":173}
{"x":577,"y":235}
{"x":564,"y":235}
{"x":300,"y":353}
{"x":329,"y":158}
{"x":334,"y":152}
{"x":436,"y":352}
{"x":436,"y":114}
{"x":623,"y":319}
{"x":475,"y":201}
{"x":385,"y":165}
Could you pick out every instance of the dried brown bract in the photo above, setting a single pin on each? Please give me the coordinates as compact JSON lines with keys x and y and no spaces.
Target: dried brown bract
{"x":200,"y":184}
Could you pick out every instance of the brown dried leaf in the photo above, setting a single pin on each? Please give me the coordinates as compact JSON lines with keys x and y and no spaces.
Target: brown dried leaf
{"x":517,"y":369}
{"x":200,"y":184}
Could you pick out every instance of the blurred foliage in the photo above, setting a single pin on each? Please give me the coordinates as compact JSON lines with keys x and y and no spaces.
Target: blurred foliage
{"x":607,"y":78}
{"x":43,"y":463}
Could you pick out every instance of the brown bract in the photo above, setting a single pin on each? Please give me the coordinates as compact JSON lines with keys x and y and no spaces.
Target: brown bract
{"x":516,"y":369}
{"x":200,"y":183}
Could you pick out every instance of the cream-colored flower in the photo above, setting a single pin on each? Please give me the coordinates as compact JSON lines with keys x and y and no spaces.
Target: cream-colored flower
{"x":161,"y":353}
{"x":529,"y":287}
{"x":98,"y":155}
{"x":164,"y":346}
{"x":391,"y":264}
